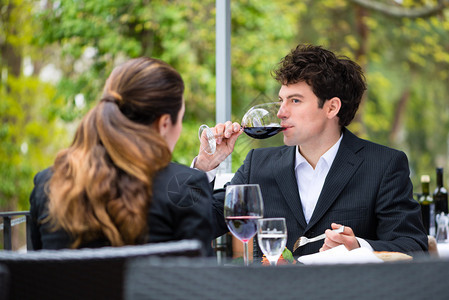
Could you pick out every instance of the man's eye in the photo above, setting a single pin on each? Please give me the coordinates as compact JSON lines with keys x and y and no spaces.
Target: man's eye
{"x":295,"y":101}
{"x":280,"y":101}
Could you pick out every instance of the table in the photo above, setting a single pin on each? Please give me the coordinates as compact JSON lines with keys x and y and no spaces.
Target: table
{"x":196,"y":279}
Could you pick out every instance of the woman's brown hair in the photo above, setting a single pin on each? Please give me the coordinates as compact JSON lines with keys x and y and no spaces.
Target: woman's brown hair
{"x":101,"y":187}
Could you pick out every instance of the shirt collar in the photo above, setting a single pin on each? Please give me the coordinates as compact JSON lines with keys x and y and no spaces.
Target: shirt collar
{"x":329,"y":156}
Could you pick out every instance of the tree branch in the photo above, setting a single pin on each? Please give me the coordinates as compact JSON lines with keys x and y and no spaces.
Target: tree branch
{"x":401,"y":12}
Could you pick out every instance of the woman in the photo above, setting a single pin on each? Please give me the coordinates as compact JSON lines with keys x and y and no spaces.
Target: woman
{"x":115,"y":184}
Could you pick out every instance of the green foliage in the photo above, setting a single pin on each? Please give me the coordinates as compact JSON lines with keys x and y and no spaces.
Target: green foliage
{"x":29,"y":131}
{"x":179,"y":32}
{"x":404,"y":59}
{"x":188,"y":144}
{"x":27,"y":135}
{"x":410,"y":56}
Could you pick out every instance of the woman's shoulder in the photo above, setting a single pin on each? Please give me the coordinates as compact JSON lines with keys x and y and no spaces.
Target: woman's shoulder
{"x":43,"y":176}
{"x":179,"y":177}
{"x":178,"y":169}
{"x":39,"y":192}
{"x":180,"y":185}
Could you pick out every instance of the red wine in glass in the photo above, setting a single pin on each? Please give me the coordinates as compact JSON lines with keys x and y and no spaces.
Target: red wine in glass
{"x":243,"y":206}
{"x":259,"y":122}
{"x":243,"y":227}
{"x":262,"y":132}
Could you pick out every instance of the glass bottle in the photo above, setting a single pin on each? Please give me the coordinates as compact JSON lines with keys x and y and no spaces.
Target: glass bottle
{"x":440,"y":194}
{"x":427,"y":206}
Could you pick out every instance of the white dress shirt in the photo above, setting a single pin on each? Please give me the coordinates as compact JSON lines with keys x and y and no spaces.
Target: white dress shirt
{"x":310,"y":181}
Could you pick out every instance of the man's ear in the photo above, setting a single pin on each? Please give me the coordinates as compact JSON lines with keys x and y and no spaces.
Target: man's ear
{"x":163,"y":124}
{"x":332,"y":107}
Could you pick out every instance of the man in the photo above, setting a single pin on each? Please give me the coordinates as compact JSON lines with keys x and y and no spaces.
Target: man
{"x":325,"y":176}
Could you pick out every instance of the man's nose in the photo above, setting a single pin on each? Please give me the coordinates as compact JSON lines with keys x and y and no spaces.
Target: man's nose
{"x":282,"y":112}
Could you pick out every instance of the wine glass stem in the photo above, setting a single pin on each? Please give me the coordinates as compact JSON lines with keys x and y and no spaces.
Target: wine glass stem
{"x":273,"y":262}
{"x":245,"y":254}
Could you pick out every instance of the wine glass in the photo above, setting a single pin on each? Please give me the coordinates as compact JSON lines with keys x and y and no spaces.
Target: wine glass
{"x":243,"y":206}
{"x":272,"y":237}
{"x":259,"y":122}
{"x":442,"y":221}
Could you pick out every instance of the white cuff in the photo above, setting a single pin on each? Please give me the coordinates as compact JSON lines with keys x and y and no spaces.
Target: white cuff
{"x":210,"y":174}
{"x":364,"y":244}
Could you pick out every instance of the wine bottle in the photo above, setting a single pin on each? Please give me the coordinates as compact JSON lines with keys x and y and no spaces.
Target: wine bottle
{"x":427,"y":206}
{"x":440,"y":194}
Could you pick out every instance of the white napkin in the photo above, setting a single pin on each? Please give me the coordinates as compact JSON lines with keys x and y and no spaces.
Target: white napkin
{"x":340,"y":255}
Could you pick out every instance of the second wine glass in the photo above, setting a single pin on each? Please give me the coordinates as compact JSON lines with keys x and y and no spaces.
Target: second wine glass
{"x":243,"y":206}
{"x":272,"y":237}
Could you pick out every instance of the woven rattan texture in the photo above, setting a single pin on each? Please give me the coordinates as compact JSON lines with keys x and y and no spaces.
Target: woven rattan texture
{"x":4,"y":282}
{"x":80,"y":274}
{"x":150,"y":279}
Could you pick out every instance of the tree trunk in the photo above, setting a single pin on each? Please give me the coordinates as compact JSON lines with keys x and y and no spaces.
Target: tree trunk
{"x":361,"y":57}
{"x":399,"y":116}
{"x":11,"y":57}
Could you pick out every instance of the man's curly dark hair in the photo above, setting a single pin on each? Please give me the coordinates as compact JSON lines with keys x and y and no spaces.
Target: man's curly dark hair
{"x":327,"y":74}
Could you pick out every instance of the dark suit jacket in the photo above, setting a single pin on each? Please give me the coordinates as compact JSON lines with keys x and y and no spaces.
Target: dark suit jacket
{"x":180,"y":209}
{"x":367,"y":188}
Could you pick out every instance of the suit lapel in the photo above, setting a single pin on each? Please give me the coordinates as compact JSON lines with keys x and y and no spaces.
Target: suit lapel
{"x":343,"y":168}
{"x":284,"y":173}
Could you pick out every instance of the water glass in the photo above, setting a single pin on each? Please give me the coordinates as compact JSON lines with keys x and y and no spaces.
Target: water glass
{"x":272,"y":237}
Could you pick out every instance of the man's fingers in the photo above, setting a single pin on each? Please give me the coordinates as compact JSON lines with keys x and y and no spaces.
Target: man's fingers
{"x":233,"y":138}
{"x":334,"y":237}
{"x":331,"y":243}
{"x":225,"y":131}
{"x":218,"y":131}
{"x":231,"y":129}
{"x":228,"y":129}
{"x":347,"y":231}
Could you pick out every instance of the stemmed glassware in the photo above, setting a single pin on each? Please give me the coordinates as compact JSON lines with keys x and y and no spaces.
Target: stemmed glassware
{"x":259,"y":122}
{"x":272,"y":237}
{"x":442,"y":221}
{"x":243,"y":206}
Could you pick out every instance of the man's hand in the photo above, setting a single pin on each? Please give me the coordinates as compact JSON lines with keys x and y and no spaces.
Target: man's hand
{"x":334,"y":239}
{"x":226,"y":135}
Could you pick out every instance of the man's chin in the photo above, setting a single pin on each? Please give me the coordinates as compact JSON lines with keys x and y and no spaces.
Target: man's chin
{"x":288,"y":142}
